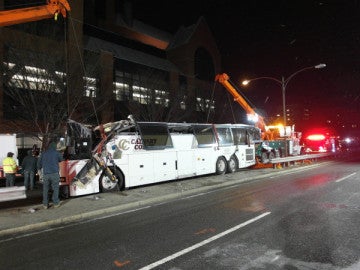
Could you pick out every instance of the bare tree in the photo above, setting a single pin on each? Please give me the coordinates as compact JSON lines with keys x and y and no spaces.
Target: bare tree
{"x":150,"y":96}
{"x":35,"y":90}
{"x":152,"y":99}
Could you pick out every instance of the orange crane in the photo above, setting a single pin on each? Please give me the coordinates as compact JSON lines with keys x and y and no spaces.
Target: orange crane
{"x":22,"y":15}
{"x":273,"y":144}
{"x":260,"y":123}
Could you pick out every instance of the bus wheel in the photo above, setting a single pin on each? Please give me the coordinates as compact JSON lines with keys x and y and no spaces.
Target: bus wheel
{"x":221,"y":165}
{"x":106,"y":185}
{"x":232,"y":164}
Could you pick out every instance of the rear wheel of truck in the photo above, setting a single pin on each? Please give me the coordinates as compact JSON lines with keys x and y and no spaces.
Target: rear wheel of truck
{"x":107,"y":185}
{"x":271,"y":155}
{"x":264,"y":157}
{"x":232,"y":164}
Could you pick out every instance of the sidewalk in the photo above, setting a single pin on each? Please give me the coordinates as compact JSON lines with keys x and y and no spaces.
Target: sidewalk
{"x":34,"y":217}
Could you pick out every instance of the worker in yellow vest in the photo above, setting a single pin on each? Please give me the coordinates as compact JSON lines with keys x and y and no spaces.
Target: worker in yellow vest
{"x":10,"y":168}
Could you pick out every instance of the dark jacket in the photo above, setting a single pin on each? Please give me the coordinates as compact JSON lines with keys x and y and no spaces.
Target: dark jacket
{"x":29,"y":163}
{"x":49,"y":160}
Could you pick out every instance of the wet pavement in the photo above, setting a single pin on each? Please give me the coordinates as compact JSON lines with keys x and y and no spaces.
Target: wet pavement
{"x":28,"y":214}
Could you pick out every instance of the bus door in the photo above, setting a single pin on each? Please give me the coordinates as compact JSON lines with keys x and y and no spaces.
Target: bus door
{"x":206,"y":153}
{"x":185,"y":145}
{"x":141,"y":168}
{"x":165,"y":165}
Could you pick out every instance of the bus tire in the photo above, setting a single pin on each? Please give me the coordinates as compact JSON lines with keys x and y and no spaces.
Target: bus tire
{"x":271,"y":155}
{"x":221,"y":166}
{"x":232,"y":165}
{"x":106,"y":185}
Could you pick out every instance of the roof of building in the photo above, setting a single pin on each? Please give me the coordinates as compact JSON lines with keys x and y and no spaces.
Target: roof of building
{"x":141,"y":27}
{"x":183,"y":35}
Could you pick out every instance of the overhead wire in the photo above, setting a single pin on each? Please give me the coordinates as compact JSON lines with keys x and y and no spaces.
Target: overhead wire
{"x":83,"y":69}
{"x":211,"y":101}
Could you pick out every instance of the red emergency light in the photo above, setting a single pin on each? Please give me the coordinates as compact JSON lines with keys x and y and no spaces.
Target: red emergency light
{"x":316,"y":137}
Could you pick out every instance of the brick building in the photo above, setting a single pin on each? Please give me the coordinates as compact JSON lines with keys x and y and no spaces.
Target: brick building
{"x":103,"y":64}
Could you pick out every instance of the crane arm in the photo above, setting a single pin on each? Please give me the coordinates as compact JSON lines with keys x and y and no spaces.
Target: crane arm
{"x":23,"y":15}
{"x":224,"y":80}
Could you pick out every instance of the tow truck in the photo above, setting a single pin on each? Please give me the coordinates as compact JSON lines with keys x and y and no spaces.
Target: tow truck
{"x":276,"y":140}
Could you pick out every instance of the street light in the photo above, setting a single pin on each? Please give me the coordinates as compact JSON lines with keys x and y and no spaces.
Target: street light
{"x":284,"y":82}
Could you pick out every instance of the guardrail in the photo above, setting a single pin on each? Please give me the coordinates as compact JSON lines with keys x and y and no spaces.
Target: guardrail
{"x":288,"y":160}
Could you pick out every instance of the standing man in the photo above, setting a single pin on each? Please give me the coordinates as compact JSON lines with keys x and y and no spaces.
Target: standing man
{"x":10,"y":168}
{"x":29,"y":167}
{"x":49,"y":163}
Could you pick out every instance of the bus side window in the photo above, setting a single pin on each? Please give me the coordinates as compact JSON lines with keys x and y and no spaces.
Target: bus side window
{"x":240,"y":136}
{"x":155,"y":136}
{"x":236,"y":138}
{"x":204,"y":135}
{"x":248,"y":138}
{"x":224,"y":135}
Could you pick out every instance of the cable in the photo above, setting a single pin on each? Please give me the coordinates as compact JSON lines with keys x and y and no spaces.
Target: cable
{"x":210,"y":102}
{"x":84,"y":72}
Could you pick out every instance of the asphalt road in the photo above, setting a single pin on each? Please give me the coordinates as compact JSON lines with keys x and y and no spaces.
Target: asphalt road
{"x":304,"y":219}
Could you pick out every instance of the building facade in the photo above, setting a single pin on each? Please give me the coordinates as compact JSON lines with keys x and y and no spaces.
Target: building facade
{"x":100,"y":64}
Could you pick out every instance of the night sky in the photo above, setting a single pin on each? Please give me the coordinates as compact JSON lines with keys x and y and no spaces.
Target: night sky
{"x":275,"y":39}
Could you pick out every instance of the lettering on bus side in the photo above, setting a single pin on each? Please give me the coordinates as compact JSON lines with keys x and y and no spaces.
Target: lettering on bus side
{"x":124,"y":144}
{"x":139,"y":143}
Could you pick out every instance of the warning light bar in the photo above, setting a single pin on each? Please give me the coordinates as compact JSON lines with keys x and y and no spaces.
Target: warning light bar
{"x":316,"y":137}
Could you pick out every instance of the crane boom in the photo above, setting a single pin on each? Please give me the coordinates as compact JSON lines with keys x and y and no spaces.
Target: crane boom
{"x":224,"y":80}
{"x":23,"y":15}
{"x":275,"y":136}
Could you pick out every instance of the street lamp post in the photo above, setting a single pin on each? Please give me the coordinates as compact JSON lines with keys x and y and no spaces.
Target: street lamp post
{"x":284,"y":82}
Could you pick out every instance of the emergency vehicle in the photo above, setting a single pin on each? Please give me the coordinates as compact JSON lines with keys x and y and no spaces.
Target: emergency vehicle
{"x":320,"y":142}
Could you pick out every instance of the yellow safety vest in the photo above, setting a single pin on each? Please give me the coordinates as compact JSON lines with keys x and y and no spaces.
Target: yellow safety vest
{"x":9,"y":165}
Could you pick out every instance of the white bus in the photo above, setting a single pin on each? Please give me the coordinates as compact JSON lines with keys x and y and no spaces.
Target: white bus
{"x":142,"y":153}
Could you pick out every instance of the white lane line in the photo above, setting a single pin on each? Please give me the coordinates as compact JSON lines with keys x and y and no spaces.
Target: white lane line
{"x":345,"y":177}
{"x":215,"y":237}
